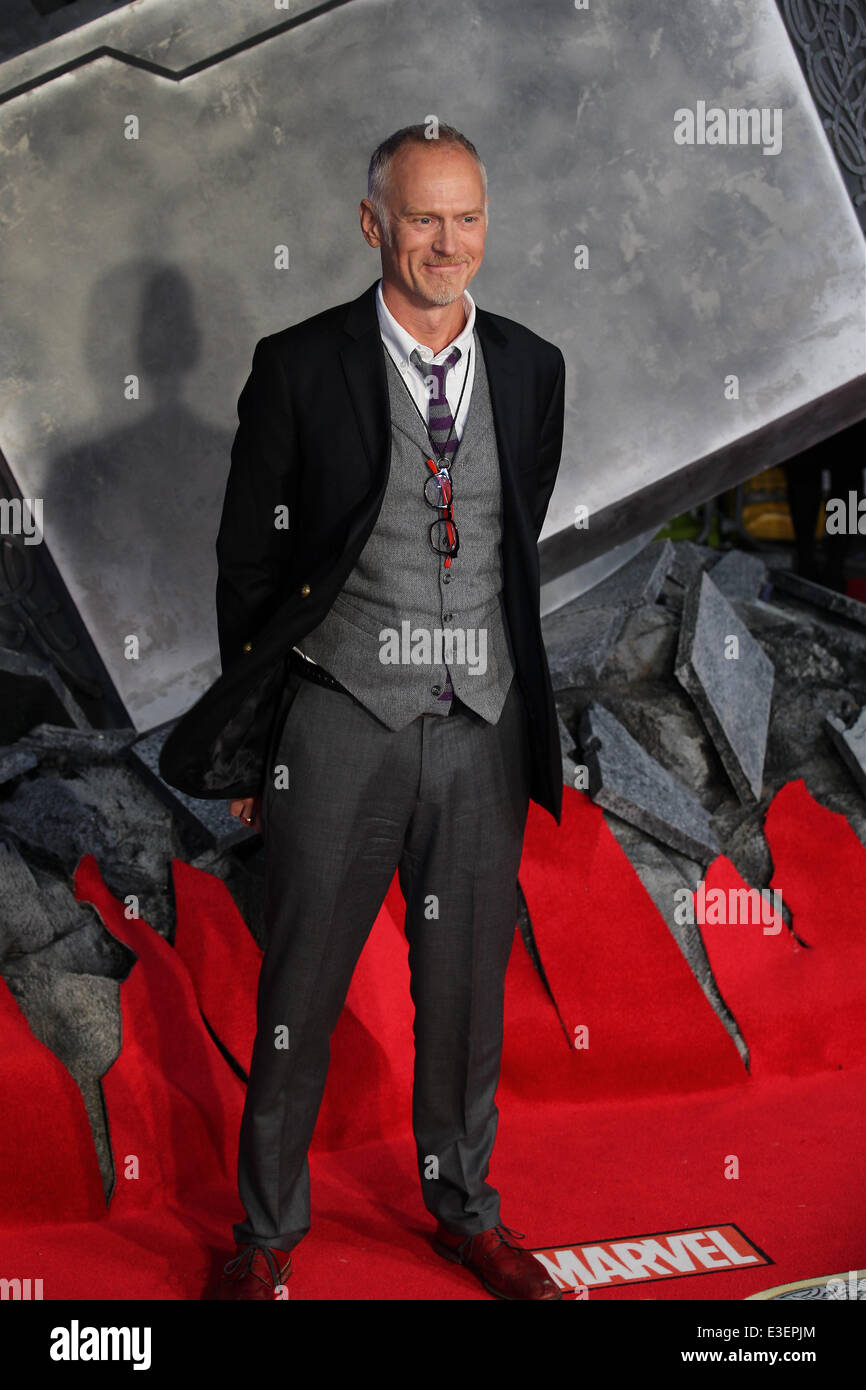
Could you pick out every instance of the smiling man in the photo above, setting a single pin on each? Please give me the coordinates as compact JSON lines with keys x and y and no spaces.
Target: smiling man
{"x":413,"y":440}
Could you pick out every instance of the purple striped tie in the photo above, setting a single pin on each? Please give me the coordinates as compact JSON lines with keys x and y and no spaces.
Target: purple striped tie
{"x":440,"y":422}
{"x":439,"y":417}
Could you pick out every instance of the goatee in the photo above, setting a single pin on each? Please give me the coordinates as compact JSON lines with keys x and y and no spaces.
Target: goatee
{"x":443,"y":295}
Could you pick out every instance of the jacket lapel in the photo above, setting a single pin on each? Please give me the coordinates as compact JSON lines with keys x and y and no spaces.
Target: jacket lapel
{"x":504,"y":382}
{"x":363,"y":361}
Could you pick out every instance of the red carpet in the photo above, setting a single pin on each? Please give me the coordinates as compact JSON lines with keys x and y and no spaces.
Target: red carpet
{"x":799,"y":1007}
{"x":47,"y":1159}
{"x":633,"y":1133}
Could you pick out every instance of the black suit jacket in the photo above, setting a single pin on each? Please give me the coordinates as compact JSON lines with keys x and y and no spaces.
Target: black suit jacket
{"x":314,"y":436}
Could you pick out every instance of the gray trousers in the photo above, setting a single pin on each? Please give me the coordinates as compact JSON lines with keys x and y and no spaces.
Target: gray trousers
{"x":444,"y":801}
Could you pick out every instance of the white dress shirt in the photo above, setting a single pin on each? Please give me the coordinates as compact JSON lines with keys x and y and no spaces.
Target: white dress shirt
{"x":400,"y":344}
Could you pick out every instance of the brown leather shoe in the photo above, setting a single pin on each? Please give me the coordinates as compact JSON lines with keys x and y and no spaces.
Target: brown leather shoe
{"x":503,"y":1268}
{"x":255,"y":1272}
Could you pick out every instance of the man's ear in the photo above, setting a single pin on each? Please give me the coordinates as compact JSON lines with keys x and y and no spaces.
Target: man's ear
{"x":369,"y":224}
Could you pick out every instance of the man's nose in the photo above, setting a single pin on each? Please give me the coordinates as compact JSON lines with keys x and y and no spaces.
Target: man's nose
{"x":445,"y":242}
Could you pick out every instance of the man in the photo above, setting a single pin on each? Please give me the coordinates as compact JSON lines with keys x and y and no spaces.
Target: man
{"x":378,"y":564}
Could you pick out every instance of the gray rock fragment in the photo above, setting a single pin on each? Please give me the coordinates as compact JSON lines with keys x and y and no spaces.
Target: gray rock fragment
{"x":845,"y":641}
{"x":76,"y":1015}
{"x":645,"y":649}
{"x":567,"y":749}
{"x":15,"y":761}
{"x":850,"y":743}
{"x":806,"y":654}
{"x":733,"y":694}
{"x":667,"y":726}
{"x":86,"y":950}
{"x":566,"y":742}
{"x":634,"y":584}
{"x":139,"y":831}
{"x":626,"y":780}
{"x":47,"y":817}
{"x":578,"y":643}
{"x":25,"y":925}
{"x":54,"y":745}
{"x":216,"y":828}
{"x":580,"y":636}
{"x":807,"y":592}
{"x":739,"y":575}
{"x":106,"y":812}
{"x":31,"y":691}
{"x":689,"y":561}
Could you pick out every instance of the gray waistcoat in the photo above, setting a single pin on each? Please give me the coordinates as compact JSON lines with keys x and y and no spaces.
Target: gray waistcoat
{"x":402,"y":617}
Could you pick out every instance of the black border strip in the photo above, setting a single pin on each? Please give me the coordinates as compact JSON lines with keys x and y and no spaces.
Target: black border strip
{"x":146,"y":65}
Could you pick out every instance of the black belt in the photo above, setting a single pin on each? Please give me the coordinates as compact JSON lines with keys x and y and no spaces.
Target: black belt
{"x":311,"y":672}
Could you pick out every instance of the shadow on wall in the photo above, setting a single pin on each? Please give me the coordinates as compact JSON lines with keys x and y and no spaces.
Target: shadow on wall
{"x":137,"y":507}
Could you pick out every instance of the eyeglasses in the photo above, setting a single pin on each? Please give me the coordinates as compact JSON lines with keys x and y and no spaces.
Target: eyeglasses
{"x":437,"y":494}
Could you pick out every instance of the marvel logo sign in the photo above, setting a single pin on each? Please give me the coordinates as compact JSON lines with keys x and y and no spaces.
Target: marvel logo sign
{"x":665,"y":1255}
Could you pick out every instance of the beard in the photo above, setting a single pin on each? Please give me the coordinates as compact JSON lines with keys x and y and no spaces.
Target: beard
{"x":444,"y":296}
{"x":443,"y":293}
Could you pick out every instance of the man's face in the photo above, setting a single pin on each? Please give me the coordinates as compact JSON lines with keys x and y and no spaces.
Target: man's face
{"x":438,"y":223}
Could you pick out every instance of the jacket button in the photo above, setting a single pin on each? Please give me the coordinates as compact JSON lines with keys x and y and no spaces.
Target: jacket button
{"x":248,"y":646}
{"x":305,"y":589}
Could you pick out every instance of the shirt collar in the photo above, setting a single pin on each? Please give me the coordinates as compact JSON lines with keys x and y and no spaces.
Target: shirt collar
{"x":402,"y":343}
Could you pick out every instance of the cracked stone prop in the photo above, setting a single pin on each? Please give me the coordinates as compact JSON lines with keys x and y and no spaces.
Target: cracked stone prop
{"x":580,"y":637}
{"x":625,"y":779}
{"x":851,"y":745}
{"x":730,"y":679}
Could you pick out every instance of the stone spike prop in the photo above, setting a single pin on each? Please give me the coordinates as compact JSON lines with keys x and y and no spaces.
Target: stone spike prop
{"x":730,"y":683}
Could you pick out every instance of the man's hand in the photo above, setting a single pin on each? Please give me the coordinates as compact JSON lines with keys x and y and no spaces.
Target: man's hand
{"x":248,"y":810}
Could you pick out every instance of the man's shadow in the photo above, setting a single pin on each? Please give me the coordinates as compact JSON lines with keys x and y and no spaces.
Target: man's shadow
{"x":134,"y":510}
{"x":131,"y":511}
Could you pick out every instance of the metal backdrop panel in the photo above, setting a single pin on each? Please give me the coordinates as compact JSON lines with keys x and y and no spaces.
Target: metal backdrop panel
{"x":153,"y":258}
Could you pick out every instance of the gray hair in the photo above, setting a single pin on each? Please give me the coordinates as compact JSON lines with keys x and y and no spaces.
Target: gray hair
{"x":380,"y":164}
